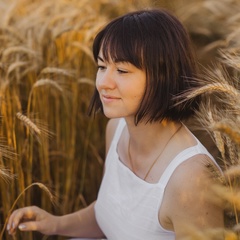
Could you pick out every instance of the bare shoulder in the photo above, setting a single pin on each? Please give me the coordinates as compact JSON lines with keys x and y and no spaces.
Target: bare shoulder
{"x":110,"y":130}
{"x":196,"y":172}
{"x":195,"y":175}
{"x":189,"y":196}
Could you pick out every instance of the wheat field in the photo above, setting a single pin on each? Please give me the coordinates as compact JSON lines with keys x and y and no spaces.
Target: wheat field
{"x":51,"y":151}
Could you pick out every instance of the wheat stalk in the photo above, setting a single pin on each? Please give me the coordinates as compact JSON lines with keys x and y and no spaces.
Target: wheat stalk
{"x":215,"y":87}
{"x":18,"y":50}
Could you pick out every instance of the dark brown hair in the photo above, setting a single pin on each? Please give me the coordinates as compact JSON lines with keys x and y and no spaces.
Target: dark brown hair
{"x":154,"y":41}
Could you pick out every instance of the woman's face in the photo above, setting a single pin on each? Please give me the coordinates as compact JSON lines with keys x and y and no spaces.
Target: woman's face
{"x":121,"y":87}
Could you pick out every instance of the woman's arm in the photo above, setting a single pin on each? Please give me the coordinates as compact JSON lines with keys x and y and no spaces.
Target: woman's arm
{"x":80,"y":224}
{"x":189,"y":196}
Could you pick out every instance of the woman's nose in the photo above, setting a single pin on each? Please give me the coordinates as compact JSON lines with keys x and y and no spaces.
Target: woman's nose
{"x":105,"y":79}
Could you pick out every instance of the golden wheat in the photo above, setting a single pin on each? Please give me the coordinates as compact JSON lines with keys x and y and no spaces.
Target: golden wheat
{"x":229,"y":195}
{"x":47,"y":69}
{"x":232,"y":131}
{"x":16,"y":65}
{"x":46,"y":82}
{"x":7,"y":151}
{"x":6,"y":174}
{"x":232,"y":171}
{"x":85,"y":49}
{"x":28,"y":123}
{"x":18,"y":50}
{"x":58,"y":71}
{"x":86,"y":81}
{"x":211,"y":234}
{"x":215,"y":87}
{"x":230,"y":58}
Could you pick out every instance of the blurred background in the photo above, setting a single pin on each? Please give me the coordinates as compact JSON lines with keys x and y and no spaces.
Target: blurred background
{"x":51,"y":151}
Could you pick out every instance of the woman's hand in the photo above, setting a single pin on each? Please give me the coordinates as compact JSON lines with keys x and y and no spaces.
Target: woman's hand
{"x":32,"y":219}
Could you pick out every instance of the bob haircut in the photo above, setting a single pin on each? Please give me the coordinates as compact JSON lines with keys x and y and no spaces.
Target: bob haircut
{"x":154,"y":41}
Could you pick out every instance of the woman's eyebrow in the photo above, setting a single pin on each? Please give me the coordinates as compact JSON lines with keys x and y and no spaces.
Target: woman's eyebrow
{"x":101,"y":59}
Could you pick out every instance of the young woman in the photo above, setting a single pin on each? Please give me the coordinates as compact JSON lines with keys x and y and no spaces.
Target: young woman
{"x":156,"y":183}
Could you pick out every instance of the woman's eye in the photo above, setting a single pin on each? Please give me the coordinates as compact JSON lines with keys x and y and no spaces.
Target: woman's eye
{"x":122,"y":71}
{"x":101,"y":67}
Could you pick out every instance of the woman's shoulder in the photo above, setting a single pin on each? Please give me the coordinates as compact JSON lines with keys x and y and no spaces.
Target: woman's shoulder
{"x":193,"y":180}
{"x":196,"y":167}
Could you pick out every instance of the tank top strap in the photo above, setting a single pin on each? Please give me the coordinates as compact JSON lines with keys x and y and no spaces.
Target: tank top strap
{"x":119,"y":129}
{"x":117,"y":134}
{"x":180,"y":158}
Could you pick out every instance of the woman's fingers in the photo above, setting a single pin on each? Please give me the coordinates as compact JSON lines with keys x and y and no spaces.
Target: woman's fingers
{"x":28,"y":226}
{"x":32,"y":219}
{"x":23,"y":215}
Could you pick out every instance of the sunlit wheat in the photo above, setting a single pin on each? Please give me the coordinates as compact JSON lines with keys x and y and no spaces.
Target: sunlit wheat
{"x":28,"y":123}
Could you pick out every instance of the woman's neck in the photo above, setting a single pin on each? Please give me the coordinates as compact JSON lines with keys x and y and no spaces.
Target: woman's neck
{"x":146,"y":136}
{"x":145,"y":144}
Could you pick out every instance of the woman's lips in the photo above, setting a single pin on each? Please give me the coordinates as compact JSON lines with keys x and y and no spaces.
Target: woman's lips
{"x":109,"y":98}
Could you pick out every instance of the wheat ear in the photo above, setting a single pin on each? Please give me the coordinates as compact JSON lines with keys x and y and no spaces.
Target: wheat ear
{"x":27,"y":121}
{"x":234,"y":134}
{"x":215,"y":87}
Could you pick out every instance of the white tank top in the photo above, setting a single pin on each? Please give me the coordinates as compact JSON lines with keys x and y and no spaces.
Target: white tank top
{"x":127,"y":207}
